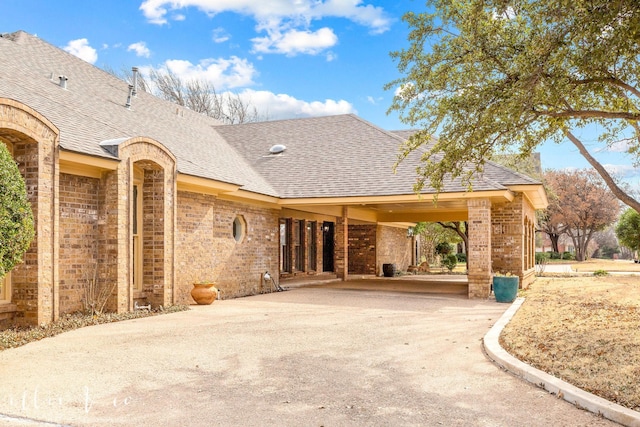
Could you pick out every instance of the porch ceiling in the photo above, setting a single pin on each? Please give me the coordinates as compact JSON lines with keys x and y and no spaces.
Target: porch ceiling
{"x":397,"y":209}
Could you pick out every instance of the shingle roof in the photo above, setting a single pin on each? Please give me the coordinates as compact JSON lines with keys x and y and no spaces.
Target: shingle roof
{"x":333,"y":156}
{"x":339,"y":156}
{"x":92,"y":110}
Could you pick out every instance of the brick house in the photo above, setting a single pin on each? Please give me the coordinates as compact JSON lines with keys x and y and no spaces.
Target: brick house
{"x":148,"y":196}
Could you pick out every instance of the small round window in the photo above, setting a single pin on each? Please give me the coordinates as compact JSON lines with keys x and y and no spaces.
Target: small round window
{"x":239,"y":228}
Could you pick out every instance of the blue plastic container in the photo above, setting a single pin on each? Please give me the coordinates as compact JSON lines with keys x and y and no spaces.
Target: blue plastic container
{"x":505,"y":288}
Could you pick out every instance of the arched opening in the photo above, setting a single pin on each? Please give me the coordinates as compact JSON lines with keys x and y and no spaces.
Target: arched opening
{"x":30,"y":292}
{"x":148,"y":231}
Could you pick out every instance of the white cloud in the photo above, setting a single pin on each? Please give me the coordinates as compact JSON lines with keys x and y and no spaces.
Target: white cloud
{"x":283,"y":106}
{"x":281,"y":19}
{"x":223,"y":73}
{"x":294,"y":42}
{"x":82,"y":50}
{"x":621,"y":146}
{"x":622,"y":171}
{"x":219,"y":35}
{"x":140,"y":48}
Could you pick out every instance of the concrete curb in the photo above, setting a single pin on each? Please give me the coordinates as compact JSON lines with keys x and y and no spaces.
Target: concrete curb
{"x":553,"y":385}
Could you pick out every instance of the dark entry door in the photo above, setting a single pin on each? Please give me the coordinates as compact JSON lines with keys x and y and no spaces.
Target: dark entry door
{"x":327,"y":246}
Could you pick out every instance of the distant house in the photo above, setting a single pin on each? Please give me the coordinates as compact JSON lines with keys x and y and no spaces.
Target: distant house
{"x":149,"y":196}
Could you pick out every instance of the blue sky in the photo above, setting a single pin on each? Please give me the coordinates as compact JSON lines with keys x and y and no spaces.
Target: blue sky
{"x":291,"y":58}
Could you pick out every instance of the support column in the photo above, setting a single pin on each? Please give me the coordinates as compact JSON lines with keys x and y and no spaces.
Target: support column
{"x":479,"y":248}
{"x":342,"y":245}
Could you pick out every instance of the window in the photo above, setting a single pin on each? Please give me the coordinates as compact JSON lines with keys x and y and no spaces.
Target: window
{"x":298,"y":244}
{"x":312,"y":245}
{"x":136,"y":208}
{"x":285,"y":245}
{"x":239,"y":228}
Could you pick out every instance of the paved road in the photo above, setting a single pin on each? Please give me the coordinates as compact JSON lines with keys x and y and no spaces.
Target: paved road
{"x":316,"y":356}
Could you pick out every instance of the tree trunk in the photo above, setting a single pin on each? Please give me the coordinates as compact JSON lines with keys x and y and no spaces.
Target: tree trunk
{"x":608,"y":179}
{"x":553,"y":237}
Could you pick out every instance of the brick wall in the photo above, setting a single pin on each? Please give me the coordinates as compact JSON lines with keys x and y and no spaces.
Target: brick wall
{"x":109,"y":242}
{"x":512,"y":238}
{"x":78,"y":201}
{"x":362,"y":249}
{"x":24,"y":277}
{"x":207,"y":250}
{"x":393,"y":247}
{"x":153,"y":243}
{"x":479,"y":274}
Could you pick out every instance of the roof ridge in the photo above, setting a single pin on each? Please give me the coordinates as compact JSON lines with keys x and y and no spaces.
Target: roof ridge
{"x":514,"y":172}
{"x":290,"y":119}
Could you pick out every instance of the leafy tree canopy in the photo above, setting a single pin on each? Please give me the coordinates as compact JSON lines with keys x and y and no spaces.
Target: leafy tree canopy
{"x":628,"y":229}
{"x":16,"y":217}
{"x":583,"y":205}
{"x":491,"y":76}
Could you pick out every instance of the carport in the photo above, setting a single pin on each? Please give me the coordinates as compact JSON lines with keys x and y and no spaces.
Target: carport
{"x":430,"y":284}
{"x":500,"y":222}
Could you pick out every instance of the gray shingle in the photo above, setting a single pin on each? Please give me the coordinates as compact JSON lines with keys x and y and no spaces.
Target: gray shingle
{"x":334,"y":156}
{"x":340,"y":156}
{"x":92,"y":110}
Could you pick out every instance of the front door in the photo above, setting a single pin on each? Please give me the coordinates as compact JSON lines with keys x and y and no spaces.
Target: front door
{"x":327,"y":246}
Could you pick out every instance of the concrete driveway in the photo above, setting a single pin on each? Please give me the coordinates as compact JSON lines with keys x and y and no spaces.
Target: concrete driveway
{"x":310,"y":356}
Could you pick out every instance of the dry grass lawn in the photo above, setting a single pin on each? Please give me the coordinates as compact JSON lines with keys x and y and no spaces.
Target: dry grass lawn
{"x":607,"y":265}
{"x":584,"y":330}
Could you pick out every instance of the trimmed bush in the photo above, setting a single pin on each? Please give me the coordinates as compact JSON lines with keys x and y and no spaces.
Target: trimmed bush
{"x":554,"y":255}
{"x":462,"y":257}
{"x":443,"y":248}
{"x":568,"y":256}
{"x":450,"y":261}
{"x":16,"y":217}
{"x":541,"y":257}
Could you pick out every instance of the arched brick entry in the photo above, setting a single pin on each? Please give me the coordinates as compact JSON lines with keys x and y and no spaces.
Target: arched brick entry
{"x":144,"y":187}
{"x":34,"y":142}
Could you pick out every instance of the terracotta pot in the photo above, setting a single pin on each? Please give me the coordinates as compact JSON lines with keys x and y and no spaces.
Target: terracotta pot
{"x":204,"y":293}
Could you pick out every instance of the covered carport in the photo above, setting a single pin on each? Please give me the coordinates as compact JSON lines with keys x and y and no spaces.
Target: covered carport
{"x":501,"y":226}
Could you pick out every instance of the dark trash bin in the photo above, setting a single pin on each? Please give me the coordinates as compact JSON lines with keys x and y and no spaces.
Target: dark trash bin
{"x":389,"y":270}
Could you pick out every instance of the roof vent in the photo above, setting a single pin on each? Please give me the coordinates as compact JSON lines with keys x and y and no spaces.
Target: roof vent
{"x":128,"y":104}
{"x":63,"y":81}
{"x":134,"y":70}
{"x":277,"y":149}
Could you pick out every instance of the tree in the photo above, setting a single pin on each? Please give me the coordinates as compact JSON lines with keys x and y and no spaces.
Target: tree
{"x":198,"y":95}
{"x":628,"y":229}
{"x":550,"y":220}
{"x":431,"y":235}
{"x":607,"y":243}
{"x":16,"y":216}
{"x":585,"y":205}
{"x":490,"y":76}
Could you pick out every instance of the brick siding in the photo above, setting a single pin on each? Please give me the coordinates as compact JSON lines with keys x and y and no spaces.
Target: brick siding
{"x":362,"y":249}
{"x":78,"y":199}
{"x":207,"y":250}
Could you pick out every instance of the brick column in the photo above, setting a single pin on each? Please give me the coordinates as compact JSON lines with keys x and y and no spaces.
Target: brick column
{"x":479,"y":248}
{"x":342,"y":245}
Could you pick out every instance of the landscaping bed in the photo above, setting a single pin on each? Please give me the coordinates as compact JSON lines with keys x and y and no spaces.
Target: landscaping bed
{"x":15,"y":337}
{"x":584,"y":330}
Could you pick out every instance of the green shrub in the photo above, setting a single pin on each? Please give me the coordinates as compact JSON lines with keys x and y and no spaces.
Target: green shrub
{"x":16,"y":217}
{"x":554,"y":255}
{"x":462,"y":257}
{"x":541,"y":257}
{"x":568,"y":256}
{"x":443,"y":248}
{"x":600,"y":273}
{"x":450,"y":261}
